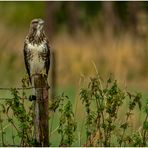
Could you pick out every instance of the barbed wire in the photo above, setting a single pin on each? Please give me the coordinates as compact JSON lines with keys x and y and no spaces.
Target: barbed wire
{"x":5,"y":98}
{"x":21,"y":88}
{"x":18,"y":88}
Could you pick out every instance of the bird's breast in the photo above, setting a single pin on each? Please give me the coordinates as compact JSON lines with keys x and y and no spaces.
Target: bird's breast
{"x":36,"y":61}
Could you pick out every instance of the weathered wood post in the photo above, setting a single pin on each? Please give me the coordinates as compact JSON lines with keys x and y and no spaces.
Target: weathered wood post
{"x":53,"y":76}
{"x":41,"y":127}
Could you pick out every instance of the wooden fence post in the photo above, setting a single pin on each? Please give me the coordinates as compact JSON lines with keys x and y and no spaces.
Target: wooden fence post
{"x":53,"y":76}
{"x":41,"y":127}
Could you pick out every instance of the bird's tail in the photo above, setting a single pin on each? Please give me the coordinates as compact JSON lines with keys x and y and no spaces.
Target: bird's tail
{"x":34,"y":93}
{"x":38,"y":82}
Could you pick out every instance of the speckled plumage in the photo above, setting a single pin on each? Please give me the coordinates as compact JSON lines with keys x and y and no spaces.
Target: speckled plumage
{"x":36,"y":50}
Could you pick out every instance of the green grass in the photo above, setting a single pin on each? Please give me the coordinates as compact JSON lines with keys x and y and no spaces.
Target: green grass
{"x":81,"y":130}
{"x":72,"y":93}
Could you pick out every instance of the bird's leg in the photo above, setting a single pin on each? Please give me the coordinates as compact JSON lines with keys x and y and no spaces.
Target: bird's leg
{"x":43,"y":73}
{"x":33,"y":96}
{"x":44,"y":76}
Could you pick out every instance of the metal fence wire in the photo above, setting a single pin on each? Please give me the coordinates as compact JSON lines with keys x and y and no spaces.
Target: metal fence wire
{"x":17,"y":114}
{"x":11,"y":130}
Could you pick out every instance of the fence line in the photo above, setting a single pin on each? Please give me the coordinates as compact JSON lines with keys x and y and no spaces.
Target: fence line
{"x":20,"y":88}
{"x":5,"y":99}
{"x":17,"y":88}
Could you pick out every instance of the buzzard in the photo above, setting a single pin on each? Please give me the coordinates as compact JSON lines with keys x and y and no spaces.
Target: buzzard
{"x":36,"y":50}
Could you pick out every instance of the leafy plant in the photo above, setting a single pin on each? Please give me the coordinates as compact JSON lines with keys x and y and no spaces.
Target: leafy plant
{"x":67,"y":124}
{"x":103,"y":102}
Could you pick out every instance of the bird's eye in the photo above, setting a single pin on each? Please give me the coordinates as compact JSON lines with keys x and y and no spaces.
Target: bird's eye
{"x":34,"y":22}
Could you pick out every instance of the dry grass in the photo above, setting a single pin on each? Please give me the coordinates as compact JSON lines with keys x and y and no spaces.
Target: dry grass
{"x":124,"y":56}
{"x":120,"y":56}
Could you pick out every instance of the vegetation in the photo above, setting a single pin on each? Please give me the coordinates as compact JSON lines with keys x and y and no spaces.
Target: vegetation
{"x":102,"y":101}
{"x":101,"y":112}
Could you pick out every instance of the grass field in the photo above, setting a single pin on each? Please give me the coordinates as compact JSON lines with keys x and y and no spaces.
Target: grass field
{"x":80,"y":118}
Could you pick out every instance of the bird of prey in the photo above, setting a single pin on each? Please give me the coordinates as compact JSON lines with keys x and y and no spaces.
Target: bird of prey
{"x":36,"y":50}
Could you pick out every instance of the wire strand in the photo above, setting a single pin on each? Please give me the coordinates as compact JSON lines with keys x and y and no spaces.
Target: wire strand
{"x":5,"y":98}
{"x":17,"y":88}
{"x":21,"y":88}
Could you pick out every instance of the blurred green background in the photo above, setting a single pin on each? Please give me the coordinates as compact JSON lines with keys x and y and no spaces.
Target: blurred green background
{"x":113,"y":35}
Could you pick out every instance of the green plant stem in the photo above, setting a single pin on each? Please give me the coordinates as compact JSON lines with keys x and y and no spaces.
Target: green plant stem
{"x":144,"y":131}
{"x":81,"y":132}
{"x":51,"y":127}
{"x":2,"y":131}
{"x":124,"y":128}
{"x":103,"y":122}
{"x":98,"y":122}
{"x":13,"y":124}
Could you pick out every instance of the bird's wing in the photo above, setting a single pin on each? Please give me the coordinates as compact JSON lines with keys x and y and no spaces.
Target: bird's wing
{"x":26,"y":59}
{"x":47,"y":57}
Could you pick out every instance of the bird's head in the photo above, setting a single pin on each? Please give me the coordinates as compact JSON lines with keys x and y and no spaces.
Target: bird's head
{"x":36,"y":26}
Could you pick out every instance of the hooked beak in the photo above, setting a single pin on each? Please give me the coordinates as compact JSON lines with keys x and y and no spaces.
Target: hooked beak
{"x":41,"y":22}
